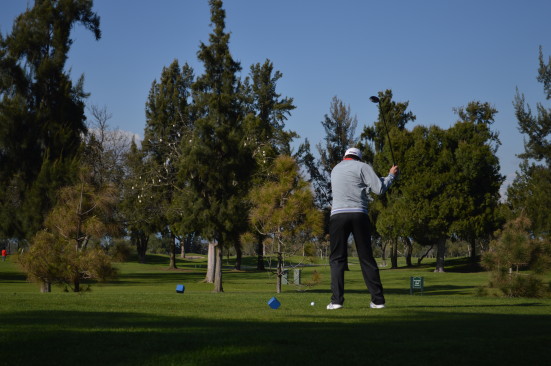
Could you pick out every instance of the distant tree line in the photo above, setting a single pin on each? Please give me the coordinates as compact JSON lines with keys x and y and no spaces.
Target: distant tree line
{"x":216,"y":164}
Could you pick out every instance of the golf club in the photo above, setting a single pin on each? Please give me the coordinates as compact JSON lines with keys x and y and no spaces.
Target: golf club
{"x":374,"y":99}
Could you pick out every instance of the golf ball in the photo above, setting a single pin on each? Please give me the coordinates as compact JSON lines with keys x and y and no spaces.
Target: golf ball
{"x":312,"y":303}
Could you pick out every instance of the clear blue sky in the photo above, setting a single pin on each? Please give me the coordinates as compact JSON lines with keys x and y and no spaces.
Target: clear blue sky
{"x":436,"y":54}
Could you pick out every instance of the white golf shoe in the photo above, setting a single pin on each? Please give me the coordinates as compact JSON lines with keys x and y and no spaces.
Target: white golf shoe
{"x":332,"y":306}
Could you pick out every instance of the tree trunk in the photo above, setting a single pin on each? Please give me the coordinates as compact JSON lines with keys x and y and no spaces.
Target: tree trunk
{"x":141,"y":240}
{"x":260,"y":254}
{"x":409,"y":250}
{"x":45,"y":287}
{"x":172,"y":264}
{"x":424,"y":255}
{"x":279,"y":267}
{"x":211,"y":261}
{"x":76,"y":285}
{"x":440,"y":254}
{"x":394,"y":254}
{"x":238,"y":255}
{"x":383,"y":249}
{"x":183,"y":247}
{"x":472,"y":243}
{"x":218,"y":270}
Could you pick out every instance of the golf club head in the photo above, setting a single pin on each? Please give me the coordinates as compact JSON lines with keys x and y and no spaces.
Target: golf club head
{"x":374,"y":99}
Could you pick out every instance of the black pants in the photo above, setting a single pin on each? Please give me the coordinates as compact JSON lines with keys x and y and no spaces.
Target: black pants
{"x":340,"y":227}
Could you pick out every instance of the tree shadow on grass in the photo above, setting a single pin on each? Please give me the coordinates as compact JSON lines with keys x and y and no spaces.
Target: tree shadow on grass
{"x":433,"y":290}
{"x":453,"y":265}
{"x":436,"y":290}
{"x":156,"y":277}
{"x":12,"y":277}
{"x":125,"y":338}
{"x":464,"y":265}
{"x":524,"y":305}
{"x":164,"y":260}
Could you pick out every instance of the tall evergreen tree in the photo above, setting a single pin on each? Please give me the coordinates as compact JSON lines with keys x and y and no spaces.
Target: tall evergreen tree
{"x":140,"y":208}
{"x":448,"y":185}
{"x":340,"y":129}
{"x":169,"y":121}
{"x":265,"y":129}
{"x":374,"y":138}
{"x":376,"y":150}
{"x":41,"y":110}
{"x":340,"y":134}
{"x":217,"y":164}
{"x":530,"y":193}
{"x":477,"y":179}
{"x":420,"y":207}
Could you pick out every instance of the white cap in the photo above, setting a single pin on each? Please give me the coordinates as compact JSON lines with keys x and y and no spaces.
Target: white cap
{"x":354,"y":151}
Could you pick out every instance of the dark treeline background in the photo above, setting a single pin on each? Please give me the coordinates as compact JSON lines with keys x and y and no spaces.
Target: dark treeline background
{"x":210,"y":140}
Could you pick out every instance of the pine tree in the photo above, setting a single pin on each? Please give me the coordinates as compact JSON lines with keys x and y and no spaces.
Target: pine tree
{"x":340,"y":129}
{"x":41,"y":109}
{"x":516,"y":249}
{"x":64,"y":251}
{"x":448,"y":185}
{"x":476,"y":174}
{"x":384,"y":213}
{"x":374,"y":138}
{"x":169,"y":121}
{"x":530,"y":193}
{"x":340,"y":134}
{"x":284,"y":210}
{"x":424,"y":191}
{"x":265,"y":129}
{"x":267,"y":132}
{"x":216,"y":164}
{"x":140,"y":208}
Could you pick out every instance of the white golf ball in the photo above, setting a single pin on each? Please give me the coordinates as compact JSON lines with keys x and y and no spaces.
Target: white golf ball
{"x":312,"y":303}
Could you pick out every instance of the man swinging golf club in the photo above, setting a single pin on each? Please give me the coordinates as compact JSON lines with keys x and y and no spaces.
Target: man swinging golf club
{"x":352,"y":181}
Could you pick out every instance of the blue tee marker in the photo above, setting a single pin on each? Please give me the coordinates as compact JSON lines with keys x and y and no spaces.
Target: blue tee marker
{"x":180,"y":289}
{"x":274,"y":303}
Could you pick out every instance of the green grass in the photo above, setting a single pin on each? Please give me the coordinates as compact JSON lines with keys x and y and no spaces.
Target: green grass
{"x":139,"y":319}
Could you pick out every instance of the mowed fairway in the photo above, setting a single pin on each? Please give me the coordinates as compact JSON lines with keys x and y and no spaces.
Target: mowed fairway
{"x":139,"y":319}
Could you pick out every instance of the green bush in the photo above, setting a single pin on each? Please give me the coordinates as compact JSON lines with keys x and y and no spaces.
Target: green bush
{"x":526,"y":286}
{"x":519,"y":285}
{"x":53,"y":260}
{"x":517,"y":261}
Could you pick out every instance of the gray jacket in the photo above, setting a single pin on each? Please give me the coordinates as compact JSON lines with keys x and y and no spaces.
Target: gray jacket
{"x":352,"y":182}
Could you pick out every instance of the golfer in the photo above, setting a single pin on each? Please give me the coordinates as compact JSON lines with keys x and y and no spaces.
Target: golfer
{"x":352,"y":181}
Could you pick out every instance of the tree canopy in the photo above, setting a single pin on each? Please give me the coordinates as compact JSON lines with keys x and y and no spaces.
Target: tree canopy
{"x":216,"y":163}
{"x":41,"y":110}
{"x":530,"y":193}
{"x":283,"y":209}
{"x":216,"y":151}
